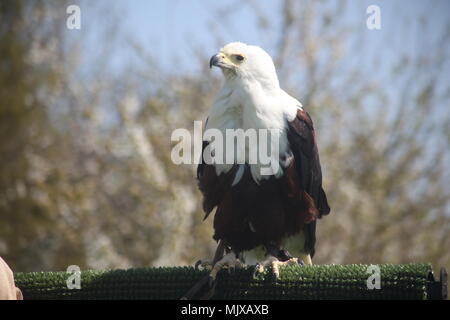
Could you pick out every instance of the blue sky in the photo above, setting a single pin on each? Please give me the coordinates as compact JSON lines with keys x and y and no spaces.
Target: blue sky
{"x":172,"y":27}
{"x":169,"y":29}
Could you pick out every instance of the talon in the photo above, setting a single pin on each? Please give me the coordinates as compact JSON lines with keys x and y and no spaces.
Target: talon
{"x":300,"y":262}
{"x":257,"y":270}
{"x":201,"y":265}
{"x":275,"y":269}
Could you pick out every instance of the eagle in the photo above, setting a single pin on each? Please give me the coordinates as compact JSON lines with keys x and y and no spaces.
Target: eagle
{"x":258,"y":208}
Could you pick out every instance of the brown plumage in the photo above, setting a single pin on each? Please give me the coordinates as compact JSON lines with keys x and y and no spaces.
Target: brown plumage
{"x":250,"y":214}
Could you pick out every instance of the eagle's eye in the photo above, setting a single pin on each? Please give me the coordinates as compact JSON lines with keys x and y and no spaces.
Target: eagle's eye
{"x":239,"y":57}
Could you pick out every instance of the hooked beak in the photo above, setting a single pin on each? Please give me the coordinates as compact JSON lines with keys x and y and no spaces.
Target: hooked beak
{"x":214,"y":61}
{"x":220,"y":60}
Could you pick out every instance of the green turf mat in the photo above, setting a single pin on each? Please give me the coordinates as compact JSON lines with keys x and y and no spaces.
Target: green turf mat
{"x":405,"y":281}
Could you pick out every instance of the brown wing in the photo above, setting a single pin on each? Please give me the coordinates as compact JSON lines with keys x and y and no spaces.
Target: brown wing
{"x":302,"y":141}
{"x":213,"y":187}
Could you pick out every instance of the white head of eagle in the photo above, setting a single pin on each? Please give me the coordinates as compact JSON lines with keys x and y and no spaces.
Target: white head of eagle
{"x":243,"y":64}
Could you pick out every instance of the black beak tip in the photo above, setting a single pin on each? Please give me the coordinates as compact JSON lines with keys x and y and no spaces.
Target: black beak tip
{"x":213,"y":61}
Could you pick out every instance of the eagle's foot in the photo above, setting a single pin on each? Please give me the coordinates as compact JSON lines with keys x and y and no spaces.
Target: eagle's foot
{"x":261,"y":266}
{"x":229,"y":261}
{"x":205,"y":288}
{"x":275,"y":264}
{"x":203,"y":265}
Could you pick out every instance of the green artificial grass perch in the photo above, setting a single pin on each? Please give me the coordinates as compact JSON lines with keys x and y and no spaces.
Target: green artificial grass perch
{"x":405,"y":281}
